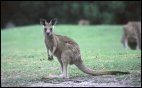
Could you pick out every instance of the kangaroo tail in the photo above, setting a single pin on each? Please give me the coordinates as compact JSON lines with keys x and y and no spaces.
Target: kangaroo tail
{"x":87,"y":70}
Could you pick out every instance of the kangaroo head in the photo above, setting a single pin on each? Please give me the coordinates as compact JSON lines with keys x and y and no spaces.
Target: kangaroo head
{"x":48,"y":26}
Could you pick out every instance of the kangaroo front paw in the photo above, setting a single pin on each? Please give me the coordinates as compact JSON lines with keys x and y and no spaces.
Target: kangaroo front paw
{"x":50,"y":57}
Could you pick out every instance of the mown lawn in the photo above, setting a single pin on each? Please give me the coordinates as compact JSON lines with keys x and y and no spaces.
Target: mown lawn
{"x":24,"y":57}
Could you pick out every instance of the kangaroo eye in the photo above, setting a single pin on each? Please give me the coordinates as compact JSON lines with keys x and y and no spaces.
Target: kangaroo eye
{"x":51,"y":29}
{"x":44,"y":28}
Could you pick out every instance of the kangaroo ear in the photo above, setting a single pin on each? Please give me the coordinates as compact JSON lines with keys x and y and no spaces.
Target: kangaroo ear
{"x":53,"y":21}
{"x":42,"y":21}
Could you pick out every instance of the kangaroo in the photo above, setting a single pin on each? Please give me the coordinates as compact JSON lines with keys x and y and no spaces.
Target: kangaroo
{"x":67,"y":51}
{"x":132,"y":35}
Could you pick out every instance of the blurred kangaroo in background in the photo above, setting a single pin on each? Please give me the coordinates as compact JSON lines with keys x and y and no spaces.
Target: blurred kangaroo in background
{"x":132,"y":35}
{"x":83,"y":22}
{"x":67,"y":51}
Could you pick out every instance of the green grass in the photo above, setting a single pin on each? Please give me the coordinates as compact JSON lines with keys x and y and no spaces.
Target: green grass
{"x":24,"y":57}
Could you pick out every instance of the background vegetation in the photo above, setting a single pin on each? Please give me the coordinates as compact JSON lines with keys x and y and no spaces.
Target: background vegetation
{"x":69,"y":12}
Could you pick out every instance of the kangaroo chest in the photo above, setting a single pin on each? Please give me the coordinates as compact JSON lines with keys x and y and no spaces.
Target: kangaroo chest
{"x":49,"y":43}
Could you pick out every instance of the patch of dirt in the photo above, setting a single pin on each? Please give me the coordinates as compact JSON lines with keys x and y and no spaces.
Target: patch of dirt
{"x":92,"y":81}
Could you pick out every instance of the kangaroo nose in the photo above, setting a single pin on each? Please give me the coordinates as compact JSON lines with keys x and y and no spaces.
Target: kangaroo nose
{"x":47,"y":33}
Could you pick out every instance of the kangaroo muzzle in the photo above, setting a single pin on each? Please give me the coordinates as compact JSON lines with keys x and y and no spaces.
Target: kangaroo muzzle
{"x":48,"y":32}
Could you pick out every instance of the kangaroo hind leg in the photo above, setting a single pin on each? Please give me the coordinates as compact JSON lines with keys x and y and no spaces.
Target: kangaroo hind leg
{"x":65,"y":58}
